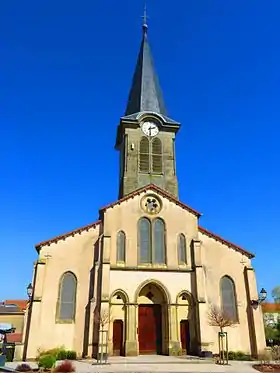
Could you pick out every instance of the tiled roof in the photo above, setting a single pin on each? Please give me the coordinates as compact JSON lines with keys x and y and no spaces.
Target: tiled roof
{"x":225,"y":242}
{"x":65,"y":235}
{"x":21,"y":303}
{"x":14,"y":337}
{"x":271,"y":307}
{"x":156,"y":189}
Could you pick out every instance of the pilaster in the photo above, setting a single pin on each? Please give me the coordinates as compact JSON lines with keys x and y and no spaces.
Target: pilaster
{"x":255,"y":316}
{"x":131,"y":342}
{"x":174,"y":345}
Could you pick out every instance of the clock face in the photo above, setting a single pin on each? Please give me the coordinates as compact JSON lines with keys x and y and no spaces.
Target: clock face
{"x":150,"y":129}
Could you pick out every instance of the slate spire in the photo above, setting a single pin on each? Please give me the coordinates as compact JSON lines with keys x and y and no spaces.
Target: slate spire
{"x":145,"y":93}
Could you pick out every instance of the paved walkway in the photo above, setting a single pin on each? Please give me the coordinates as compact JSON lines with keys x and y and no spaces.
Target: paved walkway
{"x":157,"y":364}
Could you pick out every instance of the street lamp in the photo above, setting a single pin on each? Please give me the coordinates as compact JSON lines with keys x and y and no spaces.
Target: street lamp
{"x":29,"y":291}
{"x":262,"y":298}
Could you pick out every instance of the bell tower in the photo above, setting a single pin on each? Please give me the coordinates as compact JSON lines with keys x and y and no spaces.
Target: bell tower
{"x":146,"y":135}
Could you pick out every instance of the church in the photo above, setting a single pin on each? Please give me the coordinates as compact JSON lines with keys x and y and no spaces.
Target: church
{"x":143,"y":277}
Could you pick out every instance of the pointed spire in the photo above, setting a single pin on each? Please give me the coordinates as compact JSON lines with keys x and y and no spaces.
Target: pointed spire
{"x":145,"y":93}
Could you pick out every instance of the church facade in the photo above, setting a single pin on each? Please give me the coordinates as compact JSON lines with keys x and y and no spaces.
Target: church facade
{"x":145,"y":274}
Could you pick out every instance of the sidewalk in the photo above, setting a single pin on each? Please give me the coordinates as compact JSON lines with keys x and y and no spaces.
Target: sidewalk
{"x":156,"y":364}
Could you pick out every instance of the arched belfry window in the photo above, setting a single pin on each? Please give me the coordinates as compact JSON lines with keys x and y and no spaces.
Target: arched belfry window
{"x":151,"y":241}
{"x":228,"y":298}
{"x":66,"y":303}
{"x":181,"y":247}
{"x":156,"y":156}
{"x":144,"y":155}
{"x":121,"y":243}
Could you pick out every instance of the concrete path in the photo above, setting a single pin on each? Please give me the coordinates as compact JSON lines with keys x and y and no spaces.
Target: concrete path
{"x":157,"y":364}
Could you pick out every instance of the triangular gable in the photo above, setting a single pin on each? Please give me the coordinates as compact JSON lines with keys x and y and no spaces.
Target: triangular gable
{"x":156,"y":189}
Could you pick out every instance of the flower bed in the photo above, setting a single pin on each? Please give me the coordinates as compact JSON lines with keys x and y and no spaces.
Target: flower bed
{"x":275,"y":368}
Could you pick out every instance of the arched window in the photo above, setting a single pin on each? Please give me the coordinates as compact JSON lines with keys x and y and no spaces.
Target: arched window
{"x":228,"y":298}
{"x":66,"y":305}
{"x":156,"y":156}
{"x":121,"y":241}
{"x":145,"y":243}
{"x":151,"y":241}
{"x":144,"y":155}
{"x":158,"y":241}
{"x":181,"y":246}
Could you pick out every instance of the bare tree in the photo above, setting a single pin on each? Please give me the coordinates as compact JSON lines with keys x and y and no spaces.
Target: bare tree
{"x":217,"y":317}
{"x":103,"y":318}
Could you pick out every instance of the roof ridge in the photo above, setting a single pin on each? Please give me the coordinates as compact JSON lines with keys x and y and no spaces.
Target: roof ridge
{"x":65,"y":235}
{"x":225,"y":242}
{"x":164,"y":193}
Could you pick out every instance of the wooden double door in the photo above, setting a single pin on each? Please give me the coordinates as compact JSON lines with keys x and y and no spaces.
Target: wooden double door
{"x":150,"y":329}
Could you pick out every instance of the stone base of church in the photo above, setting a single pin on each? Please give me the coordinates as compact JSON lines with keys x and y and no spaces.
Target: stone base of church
{"x":131,"y":348}
{"x":174,"y":348}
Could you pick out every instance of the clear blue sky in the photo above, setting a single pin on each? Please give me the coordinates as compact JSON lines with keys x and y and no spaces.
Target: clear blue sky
{"x":65,"y":73}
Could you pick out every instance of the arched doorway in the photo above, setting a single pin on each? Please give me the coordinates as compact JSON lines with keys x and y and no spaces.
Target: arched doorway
{"x":187,"y":323}
{"x":152,"y":320}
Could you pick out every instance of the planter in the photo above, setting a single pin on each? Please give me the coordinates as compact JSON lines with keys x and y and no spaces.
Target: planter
{"x":2,"y":360}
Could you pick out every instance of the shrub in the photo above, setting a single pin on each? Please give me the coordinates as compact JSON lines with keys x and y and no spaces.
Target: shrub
{"x":46,"y":361}
{"x":61,"y":355}
{"x":23,"y":368}
{"x":65,"y":367}
{"x":53,"y":351}
{"x":71,"y":355}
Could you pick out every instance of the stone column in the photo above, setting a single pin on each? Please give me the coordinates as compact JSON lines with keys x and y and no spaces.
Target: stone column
{"x":255,"y":316}
{"x":174,"y":346}
{"x":131,"y":343}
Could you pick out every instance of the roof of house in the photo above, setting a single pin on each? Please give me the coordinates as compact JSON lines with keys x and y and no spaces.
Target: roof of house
{"x":21,"y":303}
{"x":14,"y":337}
{"x":271,"y":307}
{"x":225,"y":242}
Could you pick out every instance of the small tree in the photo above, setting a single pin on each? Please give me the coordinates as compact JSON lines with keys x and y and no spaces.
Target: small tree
{"x":103,"y":318}
{"x":218,"y":317}
{"x":276,"y":294}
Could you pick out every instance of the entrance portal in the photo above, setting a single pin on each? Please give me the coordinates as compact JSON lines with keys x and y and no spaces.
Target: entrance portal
{"x":152,"y":320}
{"x":150,"y":329}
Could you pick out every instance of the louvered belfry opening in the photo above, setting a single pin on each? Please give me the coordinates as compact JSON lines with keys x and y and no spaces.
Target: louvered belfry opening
{"x":144,"y":161}
{"x":156,"y":156}
{"x":150,"y":156}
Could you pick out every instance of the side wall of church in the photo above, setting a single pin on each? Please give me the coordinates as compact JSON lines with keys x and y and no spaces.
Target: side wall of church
{"x":219,"y":260}
{"x":74,"y":254}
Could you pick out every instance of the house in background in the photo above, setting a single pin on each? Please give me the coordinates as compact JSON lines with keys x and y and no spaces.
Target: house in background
{"x":271,"y":313}
{"x":12,"y":313}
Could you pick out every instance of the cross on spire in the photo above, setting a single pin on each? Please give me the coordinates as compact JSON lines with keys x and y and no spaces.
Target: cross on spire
{"x":145,"y":19}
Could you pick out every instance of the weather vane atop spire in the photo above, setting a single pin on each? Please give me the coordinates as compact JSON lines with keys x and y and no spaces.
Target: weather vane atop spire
{"x":145,"y":19}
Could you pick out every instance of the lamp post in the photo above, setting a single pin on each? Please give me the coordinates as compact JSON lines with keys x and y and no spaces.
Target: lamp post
{"x":29,"y":291}
{"x":262,"y":298}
